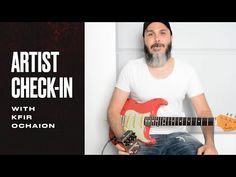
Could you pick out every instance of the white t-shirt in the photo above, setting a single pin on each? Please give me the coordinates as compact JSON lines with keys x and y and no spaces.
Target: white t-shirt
{"x":136,"y":78}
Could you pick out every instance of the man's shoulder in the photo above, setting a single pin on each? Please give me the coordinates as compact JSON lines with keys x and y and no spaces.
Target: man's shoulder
{"x":135,"y":62}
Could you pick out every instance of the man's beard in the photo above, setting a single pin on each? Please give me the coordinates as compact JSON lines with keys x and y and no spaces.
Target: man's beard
{"x":157,"y":60}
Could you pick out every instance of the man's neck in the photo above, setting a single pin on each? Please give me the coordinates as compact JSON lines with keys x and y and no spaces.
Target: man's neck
{"x":163,"y":71}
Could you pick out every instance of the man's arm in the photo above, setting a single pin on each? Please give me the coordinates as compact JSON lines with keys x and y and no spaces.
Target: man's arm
{"x":118,"y":100}
{"x":203,"y":110}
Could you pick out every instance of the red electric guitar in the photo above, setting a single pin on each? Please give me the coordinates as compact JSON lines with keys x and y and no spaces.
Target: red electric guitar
{"x":139,"y":117}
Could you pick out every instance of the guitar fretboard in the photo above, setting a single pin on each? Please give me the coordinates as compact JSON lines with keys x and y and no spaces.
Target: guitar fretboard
{"x":178,"y":121}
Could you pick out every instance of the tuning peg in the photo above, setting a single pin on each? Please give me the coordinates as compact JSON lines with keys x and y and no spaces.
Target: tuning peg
{"x":231,"y":115}
{"x":227,"y":114}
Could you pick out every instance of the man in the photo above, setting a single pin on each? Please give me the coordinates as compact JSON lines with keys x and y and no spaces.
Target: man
{"x":159,"y":75}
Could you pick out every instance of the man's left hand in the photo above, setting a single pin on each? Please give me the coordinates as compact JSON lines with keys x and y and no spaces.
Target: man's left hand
{"x":207,"y":149}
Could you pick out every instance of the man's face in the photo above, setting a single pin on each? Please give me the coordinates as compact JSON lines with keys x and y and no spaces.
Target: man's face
{"x":158,"y":40}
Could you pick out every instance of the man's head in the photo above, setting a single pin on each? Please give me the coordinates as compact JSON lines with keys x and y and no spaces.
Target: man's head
{"x":146,"y":24}
{"x":157,"y":42}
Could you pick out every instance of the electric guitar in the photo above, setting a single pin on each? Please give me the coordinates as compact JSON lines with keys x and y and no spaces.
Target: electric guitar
{"x":139,"y":117}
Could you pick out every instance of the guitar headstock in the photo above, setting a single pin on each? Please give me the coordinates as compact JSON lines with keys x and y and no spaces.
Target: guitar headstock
{"x":226,"y":122}
{"x":130,"y":142}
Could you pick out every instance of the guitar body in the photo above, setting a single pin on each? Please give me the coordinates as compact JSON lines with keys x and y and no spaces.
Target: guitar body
{"x":133,"y":114}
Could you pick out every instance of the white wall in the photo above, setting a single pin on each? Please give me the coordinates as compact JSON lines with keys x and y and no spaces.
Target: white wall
{"x":209,"y":47}
{"x":100,"y":76}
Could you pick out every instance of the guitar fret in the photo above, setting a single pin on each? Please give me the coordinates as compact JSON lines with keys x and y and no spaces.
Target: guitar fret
{"x":211,"y":121}
{"x":199,"y":121}
{"x":188,"y":122}
{"x":185,"y":121}
{"x":171,"y":121}
{"x":204,"y":121}
{"x":164,"y":121}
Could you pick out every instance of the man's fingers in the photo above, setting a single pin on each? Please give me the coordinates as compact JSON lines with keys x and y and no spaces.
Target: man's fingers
{"x":121,"y":150}
{"x":122,"y":153}
{"x":200,"y":150}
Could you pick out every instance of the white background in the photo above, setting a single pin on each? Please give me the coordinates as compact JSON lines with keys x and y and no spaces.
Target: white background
{"x":209,"y":47}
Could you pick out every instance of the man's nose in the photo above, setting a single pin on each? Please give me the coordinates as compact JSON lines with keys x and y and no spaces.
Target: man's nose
{"x":157,"y":38}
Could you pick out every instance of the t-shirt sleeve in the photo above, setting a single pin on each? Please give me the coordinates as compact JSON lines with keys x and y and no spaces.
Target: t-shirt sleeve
{"x":195,"y":87}
{"x":123,"y":81}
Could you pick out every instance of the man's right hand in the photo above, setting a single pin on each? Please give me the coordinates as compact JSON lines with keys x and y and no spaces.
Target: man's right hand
{"x":121,"y":150}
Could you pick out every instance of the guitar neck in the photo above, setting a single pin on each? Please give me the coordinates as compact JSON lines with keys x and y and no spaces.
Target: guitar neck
{"x":179,"y":121}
